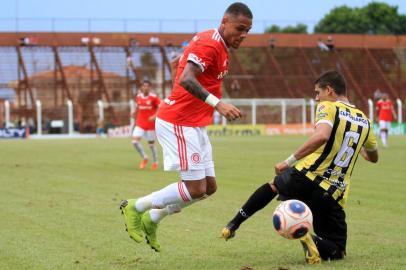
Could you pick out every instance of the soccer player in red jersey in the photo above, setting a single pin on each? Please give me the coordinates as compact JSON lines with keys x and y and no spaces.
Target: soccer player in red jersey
{"x":385,"y":111}
{"x":145,"y":114}
{"x":181,"y":125}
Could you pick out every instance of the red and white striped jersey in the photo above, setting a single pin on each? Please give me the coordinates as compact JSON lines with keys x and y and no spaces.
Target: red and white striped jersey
{"x":209,"y":52}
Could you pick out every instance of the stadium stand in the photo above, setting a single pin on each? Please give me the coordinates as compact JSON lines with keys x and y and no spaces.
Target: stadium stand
{"x":86,"y":67}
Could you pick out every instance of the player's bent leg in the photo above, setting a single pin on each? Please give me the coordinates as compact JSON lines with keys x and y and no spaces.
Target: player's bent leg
{"x":197,"y":188}
{"x":328,"y":249}
{"x":211,"y":185}
{"x":168,"y":201}
{"x":154,"y":153}
{"x":132,"y":219}
{"x":312,"y":254}
{"x":258,"y":200}
{"x":384,"y":137}
{"x":150,"y":228}
{"x":140,"y":149}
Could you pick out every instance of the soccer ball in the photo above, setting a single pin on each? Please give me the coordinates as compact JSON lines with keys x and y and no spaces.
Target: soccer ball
{"x":292,"y":219}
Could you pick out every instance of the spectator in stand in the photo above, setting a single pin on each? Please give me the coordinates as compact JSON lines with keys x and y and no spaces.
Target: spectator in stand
{"x":330,"y":43}
{"x":154,"y":41}
{"x":272,"y":43}
{"x":235,"y":86}
{"x":322,"y":46}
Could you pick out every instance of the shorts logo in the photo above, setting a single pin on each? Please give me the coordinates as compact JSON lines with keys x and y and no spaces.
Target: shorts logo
{"x":195,"y":158}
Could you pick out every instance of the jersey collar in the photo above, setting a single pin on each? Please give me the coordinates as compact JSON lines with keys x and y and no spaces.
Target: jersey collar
{"x":348,"y":104}
{"x":144,"y":97}
{"x":221,"y":38}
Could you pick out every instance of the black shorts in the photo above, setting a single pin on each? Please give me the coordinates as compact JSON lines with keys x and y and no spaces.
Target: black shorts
{"x":328,"y":216}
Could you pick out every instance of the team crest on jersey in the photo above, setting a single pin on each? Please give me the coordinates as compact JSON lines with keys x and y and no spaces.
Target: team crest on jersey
{"x":321,"y":108}
{"x":195,"y":158}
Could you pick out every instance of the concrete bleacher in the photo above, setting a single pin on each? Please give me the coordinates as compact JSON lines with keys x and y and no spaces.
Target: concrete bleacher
{"x":256,"y":70}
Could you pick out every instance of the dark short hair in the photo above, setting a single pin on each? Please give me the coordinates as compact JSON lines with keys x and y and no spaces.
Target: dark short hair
{"x":147,"y":82}
{"x":333,"y":79}
{"x":239,"y":8}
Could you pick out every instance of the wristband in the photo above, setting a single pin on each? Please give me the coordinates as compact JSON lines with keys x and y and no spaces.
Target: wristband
{"x":212,"y":100}
{"x":291,"y":160}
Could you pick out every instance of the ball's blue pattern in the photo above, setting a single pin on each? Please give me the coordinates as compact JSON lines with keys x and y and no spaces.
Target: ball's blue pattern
{"x":297,"y":207}
{"x":276,"y":222}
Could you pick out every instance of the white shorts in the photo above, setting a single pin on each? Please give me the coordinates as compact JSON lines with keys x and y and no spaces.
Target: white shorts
{"x":185,"y":149}
{"x":384,"y":124}
{"x":149,"y":135}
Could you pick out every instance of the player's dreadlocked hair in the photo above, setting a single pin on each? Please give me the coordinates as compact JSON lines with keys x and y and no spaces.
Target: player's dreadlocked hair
{"x":334,"y":79}
{"x":238,"y":8}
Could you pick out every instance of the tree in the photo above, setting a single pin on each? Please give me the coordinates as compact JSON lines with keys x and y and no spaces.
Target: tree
{"x":375,"y":18}
{"x":299,"y":28}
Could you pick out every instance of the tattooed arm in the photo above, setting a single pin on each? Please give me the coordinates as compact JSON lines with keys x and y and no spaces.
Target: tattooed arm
{"x":188,"y":81}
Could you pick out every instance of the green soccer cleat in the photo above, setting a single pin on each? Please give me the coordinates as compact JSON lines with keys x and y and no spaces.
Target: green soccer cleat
{"x":312,"y":255}
{"x":132,"y":220}
{"x":150,"y":227}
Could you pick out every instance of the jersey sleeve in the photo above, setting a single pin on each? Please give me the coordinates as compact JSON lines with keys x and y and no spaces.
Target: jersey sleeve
{"x":371,"y":143}
{"x":203,"y":55}
{"x":325,"y":113}
{"x":157,"y":101}
{"x":378,"y":105}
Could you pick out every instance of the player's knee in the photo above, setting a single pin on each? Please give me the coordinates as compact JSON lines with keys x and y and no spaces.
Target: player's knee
{"x":151,"y":142}
{"x":136,"y":139}
{"x":336,"y":255}
{"x":198,"y":191}
{"x":211,"y":189}
{"x":328,"y":250}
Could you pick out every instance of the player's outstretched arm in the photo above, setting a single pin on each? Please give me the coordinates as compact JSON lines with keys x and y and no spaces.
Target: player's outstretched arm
{"x":229,"y":111}
{"x":188,"y":81}
{"x":319,"y":137}
{"x":371,"y":156}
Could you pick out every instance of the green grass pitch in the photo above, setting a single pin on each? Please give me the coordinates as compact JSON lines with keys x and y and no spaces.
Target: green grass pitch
{"x":59,"y":203}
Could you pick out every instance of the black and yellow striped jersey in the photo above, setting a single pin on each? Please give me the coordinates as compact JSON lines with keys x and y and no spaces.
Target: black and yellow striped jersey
{"x":331,"y":165}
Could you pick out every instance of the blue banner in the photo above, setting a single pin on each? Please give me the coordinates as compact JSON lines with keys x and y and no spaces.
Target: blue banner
{"x":11,"y":133}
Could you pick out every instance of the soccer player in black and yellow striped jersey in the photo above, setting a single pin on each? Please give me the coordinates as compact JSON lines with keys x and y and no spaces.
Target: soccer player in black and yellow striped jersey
{"x":318,"y":172}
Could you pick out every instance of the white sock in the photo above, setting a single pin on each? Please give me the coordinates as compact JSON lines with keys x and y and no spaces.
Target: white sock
{"x":384,"y":137}
{"x":154,"y":152}
{"x":144,"y":203}
{"x":158,"y":214}
{"x":175,"y":193}
{"x":140,"y":149}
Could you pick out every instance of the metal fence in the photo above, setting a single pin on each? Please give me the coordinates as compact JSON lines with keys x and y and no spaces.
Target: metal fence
{"x":124,"y":25}
{"x":255,"y":111}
